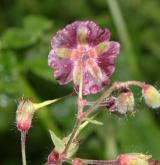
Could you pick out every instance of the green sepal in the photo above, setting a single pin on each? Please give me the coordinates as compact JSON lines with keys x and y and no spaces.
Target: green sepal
{"x":94,"y":121}
{"x":59,"y":143}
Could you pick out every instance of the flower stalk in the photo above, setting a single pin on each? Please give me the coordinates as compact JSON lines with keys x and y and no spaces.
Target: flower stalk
{"x":123,"y":159}
{"x":80,"y":111}
{"x":23,"y":147}
{"x":99,"y":162}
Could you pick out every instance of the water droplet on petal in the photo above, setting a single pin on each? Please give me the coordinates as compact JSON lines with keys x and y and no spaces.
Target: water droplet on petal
{"x":85,"y":81}
{"x":99,"y":62}
{"x":85,"y":92}
{"x":93,"y":89}
{"x":65,"y":65}
{"x":56,"y":73}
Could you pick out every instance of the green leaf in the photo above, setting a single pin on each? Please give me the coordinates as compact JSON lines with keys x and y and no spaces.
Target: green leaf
{"x":37,"y":22}
{"x":18,"y":38}
{"x":94,"y":121}
{"x":59,"y":144}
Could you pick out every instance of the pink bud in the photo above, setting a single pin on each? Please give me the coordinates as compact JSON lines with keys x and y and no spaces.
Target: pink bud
{"x":133,"y":159}
{"x":24,"y":115}
{"x":53,"y":158}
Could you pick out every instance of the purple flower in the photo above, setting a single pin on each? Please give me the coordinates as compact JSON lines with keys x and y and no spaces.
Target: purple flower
{"x":83,"y":44}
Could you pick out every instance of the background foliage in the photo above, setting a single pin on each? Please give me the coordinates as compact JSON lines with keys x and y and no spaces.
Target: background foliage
{"x":26,"y":28}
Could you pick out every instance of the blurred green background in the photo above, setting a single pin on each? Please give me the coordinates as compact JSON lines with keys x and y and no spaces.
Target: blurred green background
{"x":26,"y":28}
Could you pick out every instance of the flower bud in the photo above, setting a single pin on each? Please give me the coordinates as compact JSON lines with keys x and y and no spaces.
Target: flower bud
{"x":26,"y":110}
{"x":52,"y":158}
{"x":133,"y":159}
{"x":121,"y":105}
{"x":125,"y":102}
{"x":110,"y":104}
{"x":24,"y":115}
{"x":151,"y":96}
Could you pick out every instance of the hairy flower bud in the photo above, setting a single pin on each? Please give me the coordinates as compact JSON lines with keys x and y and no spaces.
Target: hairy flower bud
{"x":122,"y":105}
{"x":125,"y":102}
{"x":26,"y":110}
{"x":151,"y":96}
{"x":133,"y":159}
{"x":24,"y":115}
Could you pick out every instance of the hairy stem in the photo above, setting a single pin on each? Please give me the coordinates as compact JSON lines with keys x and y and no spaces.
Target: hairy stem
{"x":80,"y":110}
{"x":75,"y":128}
{"x":102,"y":162}
{"x":81,"y":84}
{"x":23,"y":147}
{"x":99,"y":162}
{"x":106,"y":94}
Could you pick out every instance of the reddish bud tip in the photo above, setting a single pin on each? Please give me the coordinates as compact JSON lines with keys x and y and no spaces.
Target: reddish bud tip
{"x":53,"y":158}
{"x":23,"y":125}
{"x":24,"y":115}
{"x":151,"y":96}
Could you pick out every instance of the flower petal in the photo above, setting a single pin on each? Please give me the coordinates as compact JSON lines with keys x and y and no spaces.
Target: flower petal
{"x":113,"y":49}
{"x":91,"y":84}
{"x":106,"y":60}
{"x":66,"y":38}
{"x":101,"y":48}
{"x":96,"y":35}
{"x":63,"y":68}
{"x":64,"y":52}
{"x":77,"y":72}
{"x":82,"y":34}
{"x":94,"y":69}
